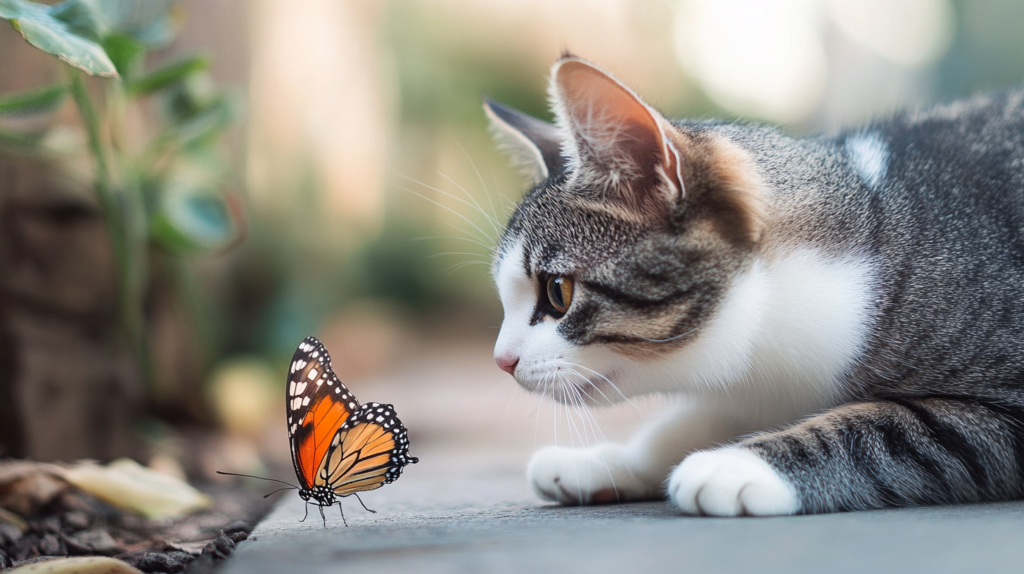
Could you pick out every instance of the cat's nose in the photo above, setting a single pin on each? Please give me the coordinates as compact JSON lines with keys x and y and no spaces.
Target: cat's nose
{"x":507,"y":364}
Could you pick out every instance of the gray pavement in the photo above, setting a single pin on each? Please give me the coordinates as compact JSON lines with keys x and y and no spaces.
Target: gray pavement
{"x":484,"y":519}
{"x":466,"y":506}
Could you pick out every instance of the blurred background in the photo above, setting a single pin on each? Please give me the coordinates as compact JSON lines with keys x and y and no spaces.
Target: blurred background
{"x":330,"y":172}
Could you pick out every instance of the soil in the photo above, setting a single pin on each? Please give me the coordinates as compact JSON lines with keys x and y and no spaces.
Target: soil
{"x":65,"y":521}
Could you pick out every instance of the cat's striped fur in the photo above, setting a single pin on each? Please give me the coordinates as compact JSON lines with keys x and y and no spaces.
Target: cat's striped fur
{"x":844,"y":312}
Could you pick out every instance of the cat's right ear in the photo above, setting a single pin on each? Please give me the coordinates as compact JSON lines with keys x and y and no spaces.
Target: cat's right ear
{"x":535,"y":145}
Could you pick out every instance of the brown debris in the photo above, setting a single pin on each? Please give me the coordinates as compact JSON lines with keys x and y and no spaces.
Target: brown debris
{"x":61,"y":520}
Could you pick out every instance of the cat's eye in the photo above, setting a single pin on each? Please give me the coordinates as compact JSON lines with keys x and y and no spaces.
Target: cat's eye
{"x":560,"y":293}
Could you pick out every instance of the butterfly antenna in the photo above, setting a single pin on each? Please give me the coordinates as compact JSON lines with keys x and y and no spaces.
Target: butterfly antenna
{"x":258,"y":477}
{"x":278,"y":490}
{"x":361,"y":502}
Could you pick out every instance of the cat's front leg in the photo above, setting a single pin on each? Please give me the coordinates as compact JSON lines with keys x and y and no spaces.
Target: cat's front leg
{"x":897,"y":452}
{"x":637,"y":470}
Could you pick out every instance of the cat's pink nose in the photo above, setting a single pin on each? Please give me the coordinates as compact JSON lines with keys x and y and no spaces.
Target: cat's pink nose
{"x":507,"y":364}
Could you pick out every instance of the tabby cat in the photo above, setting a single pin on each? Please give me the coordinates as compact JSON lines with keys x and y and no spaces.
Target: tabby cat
{"x":844,"y":313}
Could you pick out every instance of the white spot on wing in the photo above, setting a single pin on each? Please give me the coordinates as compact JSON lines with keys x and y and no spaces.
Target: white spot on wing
{"x":312,"y":374}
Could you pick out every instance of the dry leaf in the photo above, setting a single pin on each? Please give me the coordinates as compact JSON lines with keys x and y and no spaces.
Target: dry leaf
{"x":127,"y":484}
{"x":82,"y":565}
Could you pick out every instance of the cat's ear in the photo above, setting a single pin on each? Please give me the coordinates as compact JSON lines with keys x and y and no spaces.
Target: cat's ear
{"x":611,"y":135}
{"x":535,"y":145}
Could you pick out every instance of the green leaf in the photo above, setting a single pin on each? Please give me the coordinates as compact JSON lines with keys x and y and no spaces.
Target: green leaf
{"x":191,"y":220}
{"x":58,"y":37}
{"x":169,"y":75}
{"x":81,"y":19}
{"x":152,"y":23}
{"x":126,"y":53}
{"x":199,"y":128}
{"x":31,"y":102}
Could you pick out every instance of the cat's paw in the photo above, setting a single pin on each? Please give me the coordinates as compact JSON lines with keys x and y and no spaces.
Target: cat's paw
{"x":731,"y":482}
{"x":597,"y":475}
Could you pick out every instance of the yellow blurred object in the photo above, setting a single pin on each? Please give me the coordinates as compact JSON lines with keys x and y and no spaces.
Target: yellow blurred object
{"x":127,"y":484}
{"x":243,"y":392}
{"x":81,"y":565}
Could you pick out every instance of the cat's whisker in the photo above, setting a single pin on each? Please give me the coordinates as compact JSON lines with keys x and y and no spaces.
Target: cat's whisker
{"x":536,"y":418}
{"x":449,"y":253}
{"x":595,"y":429}
{"x":483,"y":234}
{"x":572,"y":399}
{"x":489,"y":248}
{"x":473,"y":237}
{"x":487,"y":193}
{"x":584,"y":411}
{"x":490,"y":218}
{"x":625,"y":399}
{"x":472,"y":203}
{"x":580,"y":391}
{"x":570,"y":426}
{"x":453,"y":268}
{"x":454,"y":197}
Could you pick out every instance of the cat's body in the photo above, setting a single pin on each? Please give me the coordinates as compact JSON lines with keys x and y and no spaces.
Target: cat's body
{"x":844,"y":313}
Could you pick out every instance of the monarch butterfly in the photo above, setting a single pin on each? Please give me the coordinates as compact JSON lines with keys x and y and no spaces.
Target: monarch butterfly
{"x":338,"y":446}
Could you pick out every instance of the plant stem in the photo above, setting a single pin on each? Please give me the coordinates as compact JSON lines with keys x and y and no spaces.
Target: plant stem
{"x":118,"y":214}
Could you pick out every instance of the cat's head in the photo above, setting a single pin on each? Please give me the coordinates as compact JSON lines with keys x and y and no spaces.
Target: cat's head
{"x":615,"y":263}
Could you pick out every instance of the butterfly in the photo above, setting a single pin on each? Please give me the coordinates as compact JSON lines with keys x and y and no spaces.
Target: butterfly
{"x":339,"y":447}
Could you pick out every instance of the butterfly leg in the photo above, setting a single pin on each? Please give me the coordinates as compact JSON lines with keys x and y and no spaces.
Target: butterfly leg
{"x":306,"y":515}
{"x":323,"y":517}
{"x":342,"y":511}
{"x":364,"y":504}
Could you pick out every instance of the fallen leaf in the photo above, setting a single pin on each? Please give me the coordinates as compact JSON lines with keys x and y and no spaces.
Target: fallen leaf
{"x":83,"y":565}
{"x":127,"y":484}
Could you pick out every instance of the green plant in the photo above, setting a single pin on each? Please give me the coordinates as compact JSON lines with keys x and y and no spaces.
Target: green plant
{"x":162,"y":191}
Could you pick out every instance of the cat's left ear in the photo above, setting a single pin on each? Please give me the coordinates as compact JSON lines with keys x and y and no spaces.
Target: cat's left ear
{"x":611,"y":134}
{"x":534,"y":145}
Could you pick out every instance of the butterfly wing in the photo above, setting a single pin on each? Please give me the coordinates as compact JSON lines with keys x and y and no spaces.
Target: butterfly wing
{"x":369,"y":450}
{"x":318,"y":405}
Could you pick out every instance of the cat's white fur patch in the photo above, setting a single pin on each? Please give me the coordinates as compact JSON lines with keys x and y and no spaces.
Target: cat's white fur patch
{"x":869,"y":155}
{"x":731,"y":481}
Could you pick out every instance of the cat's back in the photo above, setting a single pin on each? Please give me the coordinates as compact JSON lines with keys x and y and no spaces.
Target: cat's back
{"x":940,"y":209}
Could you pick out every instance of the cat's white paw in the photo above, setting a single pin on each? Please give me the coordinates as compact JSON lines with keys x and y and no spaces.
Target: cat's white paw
{"x":730,"y":482}
{"x":597,"y":475}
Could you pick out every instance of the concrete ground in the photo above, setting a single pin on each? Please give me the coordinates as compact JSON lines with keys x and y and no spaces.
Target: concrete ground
{"x":487,"y":520}
{"x":466,"y":506}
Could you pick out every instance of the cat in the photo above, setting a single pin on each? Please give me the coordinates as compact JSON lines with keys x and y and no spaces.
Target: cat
{"x":844,"y":313}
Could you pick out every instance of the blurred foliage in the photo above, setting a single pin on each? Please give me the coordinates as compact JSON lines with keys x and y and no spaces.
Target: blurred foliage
{"x":988,"y":48}
{"x":164,"y":194}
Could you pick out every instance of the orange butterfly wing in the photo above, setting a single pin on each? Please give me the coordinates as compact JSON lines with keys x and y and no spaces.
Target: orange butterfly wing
{"x":369,"y":450}
{"x":318,"y":404}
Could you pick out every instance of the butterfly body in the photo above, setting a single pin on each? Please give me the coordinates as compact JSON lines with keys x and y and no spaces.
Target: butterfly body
{"x":339,"y":447}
